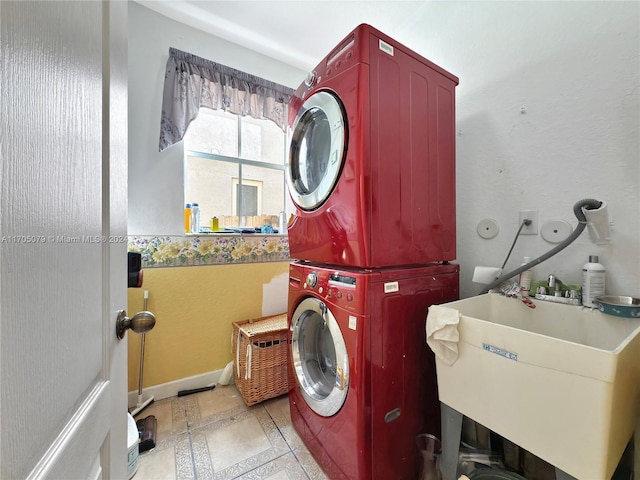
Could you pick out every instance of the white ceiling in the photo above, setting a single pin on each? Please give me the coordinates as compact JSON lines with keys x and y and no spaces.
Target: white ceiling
{"x":296,"y":32}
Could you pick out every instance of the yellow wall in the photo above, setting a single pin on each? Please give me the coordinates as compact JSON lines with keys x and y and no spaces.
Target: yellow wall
{"x":194,"y":309}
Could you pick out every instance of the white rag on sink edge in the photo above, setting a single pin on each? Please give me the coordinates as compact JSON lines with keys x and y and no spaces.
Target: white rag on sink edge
{"x":442,"y":333}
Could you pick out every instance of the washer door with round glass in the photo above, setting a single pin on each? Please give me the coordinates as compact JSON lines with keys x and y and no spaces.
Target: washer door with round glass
{"x":318,"y":147}
{"x":319,"y":357}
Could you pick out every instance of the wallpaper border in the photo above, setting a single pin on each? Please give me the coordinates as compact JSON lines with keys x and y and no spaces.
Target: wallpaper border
{"x":182,"y":251}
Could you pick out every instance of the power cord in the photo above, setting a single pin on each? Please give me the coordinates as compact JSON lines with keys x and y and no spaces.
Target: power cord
{"x":525,"y":222}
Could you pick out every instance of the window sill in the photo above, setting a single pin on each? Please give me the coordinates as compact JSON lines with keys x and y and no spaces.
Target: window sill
{"x":234,"y":234}
{"x":197,"y":249}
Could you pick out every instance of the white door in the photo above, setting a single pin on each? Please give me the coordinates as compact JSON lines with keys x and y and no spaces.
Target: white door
{"x":63,"y":161}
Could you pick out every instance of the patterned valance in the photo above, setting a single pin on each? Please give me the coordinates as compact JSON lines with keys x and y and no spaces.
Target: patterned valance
{"x":191,"y":82}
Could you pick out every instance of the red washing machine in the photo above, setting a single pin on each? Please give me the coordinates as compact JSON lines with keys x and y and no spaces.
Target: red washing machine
{"x":361,"y":376}
{"x":372,"y":157}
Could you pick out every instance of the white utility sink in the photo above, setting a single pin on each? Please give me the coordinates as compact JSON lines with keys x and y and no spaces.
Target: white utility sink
{"x":560,"y":381}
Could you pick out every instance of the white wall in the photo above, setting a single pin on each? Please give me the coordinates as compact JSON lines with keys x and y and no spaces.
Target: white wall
{"x":156,"y":180}
{"x":573,"y":65}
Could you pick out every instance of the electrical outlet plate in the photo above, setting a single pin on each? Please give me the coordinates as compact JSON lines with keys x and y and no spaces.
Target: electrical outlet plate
{"x":531,"y":229}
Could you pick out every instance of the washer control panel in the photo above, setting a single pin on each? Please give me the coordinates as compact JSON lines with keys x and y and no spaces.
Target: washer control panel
{"x":341,"y":279}
{"x":339,"y":288}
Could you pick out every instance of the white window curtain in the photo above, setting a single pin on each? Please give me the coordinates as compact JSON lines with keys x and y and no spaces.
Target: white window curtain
{"x":191,"y":82}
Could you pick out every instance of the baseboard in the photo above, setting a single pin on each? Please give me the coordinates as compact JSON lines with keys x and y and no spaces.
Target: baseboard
{"x":171,"y":389}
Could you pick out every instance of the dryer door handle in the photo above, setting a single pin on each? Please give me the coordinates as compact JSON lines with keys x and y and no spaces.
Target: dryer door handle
{"x":342,"y":374}
{"x":323,"y":312}
{"x":341,"y":379}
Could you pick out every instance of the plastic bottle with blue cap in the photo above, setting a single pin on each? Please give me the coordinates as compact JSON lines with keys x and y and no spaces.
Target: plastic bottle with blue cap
{"x":187,"y":218}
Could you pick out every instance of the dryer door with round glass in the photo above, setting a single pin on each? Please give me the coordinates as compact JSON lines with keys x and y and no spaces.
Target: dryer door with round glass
{"x":319,"y":357}
{"x":317,"y":150}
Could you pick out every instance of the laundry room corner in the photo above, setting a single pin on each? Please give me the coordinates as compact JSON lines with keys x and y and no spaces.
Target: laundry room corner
{"x":195,"y":307}
{"x":411,"y":157}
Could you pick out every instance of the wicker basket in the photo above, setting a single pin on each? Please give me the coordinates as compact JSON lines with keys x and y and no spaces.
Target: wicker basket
{"x":260,"y":353}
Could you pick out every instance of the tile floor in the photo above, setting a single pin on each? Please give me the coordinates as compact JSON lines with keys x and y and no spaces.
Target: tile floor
{"x":214,"y":435}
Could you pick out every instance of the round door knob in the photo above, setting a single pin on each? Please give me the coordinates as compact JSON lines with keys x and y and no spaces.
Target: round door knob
{"x":141,"y":322}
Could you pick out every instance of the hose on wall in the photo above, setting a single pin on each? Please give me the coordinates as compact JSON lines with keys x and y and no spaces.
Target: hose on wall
{"x":589,"y":204}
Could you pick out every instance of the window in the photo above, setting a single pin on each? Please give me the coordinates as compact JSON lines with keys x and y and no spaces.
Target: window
{"x":234,"y":169}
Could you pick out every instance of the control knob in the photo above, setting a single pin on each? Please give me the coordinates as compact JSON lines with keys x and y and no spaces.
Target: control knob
{"x":311,"y":78}
{"x":312,"y":279}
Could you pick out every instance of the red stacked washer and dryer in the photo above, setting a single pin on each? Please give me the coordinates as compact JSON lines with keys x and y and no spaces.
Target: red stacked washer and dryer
{"x":372,"y":177}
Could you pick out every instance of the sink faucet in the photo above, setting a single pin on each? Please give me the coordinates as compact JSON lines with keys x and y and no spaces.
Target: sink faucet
{"x":555,"y":294}
{"x":554,"y":284}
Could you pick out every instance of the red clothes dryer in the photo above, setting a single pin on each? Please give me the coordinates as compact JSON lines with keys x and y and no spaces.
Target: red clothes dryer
{"x":372,"y":157}
{"x":361,"y":376}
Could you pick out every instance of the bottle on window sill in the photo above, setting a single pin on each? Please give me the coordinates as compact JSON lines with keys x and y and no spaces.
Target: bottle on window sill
{"x":187,"y":218}
{"x":266,"y":228}
{"x":195,"y":218}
